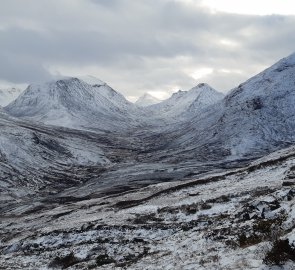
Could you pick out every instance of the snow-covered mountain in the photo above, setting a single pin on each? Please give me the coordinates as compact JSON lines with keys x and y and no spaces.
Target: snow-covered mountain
{"x":186,"y":103}
{"x":8,"y":95}
{"x":263,"y":109}
{"x":255,"y":117}
{"x":147,"y":100}
{"x":71,"y":102}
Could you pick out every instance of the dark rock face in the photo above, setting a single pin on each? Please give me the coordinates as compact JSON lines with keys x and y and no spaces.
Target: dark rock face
{"x":256,"y":104}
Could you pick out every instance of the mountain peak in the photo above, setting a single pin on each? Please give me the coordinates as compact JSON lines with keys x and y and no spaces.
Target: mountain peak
{"x":187,"y":103}
{"x":72,"y":102}
{"x":205,"y":92}
{"x":146,"y":100}
{"x":202,"y":87}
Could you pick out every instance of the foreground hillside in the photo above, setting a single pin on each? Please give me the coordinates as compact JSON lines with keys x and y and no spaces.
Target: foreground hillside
{"x":236,"y":219}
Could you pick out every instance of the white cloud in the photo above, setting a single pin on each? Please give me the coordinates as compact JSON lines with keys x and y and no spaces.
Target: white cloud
{"x":161,"y":94}
{"x":200,"y":73}
{"x":252,"y":7}
{"x":228,"y":42}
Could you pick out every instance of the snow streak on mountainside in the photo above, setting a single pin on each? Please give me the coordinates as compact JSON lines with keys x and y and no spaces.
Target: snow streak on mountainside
{"x":147,"y":100}
{"x":74,"y":103}
{"x":8,"y":95}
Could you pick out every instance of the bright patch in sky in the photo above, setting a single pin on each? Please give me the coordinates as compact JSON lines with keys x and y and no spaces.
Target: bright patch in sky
{"x":159,"y":94}
{"x":251,"y":7}
{"x":200,"y":73}
{"x":229,"y":43}
{"x":230,"y":71}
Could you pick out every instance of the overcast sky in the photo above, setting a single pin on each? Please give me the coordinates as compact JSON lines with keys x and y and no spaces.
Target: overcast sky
{"x":137,"y":46}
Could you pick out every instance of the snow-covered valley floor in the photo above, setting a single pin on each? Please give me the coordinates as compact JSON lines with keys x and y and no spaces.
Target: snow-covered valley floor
{"x":234,"y":219}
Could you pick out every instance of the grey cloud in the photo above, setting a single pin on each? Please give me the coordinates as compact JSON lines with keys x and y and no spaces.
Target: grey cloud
{"x":137,"y":45}
{"x":20,"y":69}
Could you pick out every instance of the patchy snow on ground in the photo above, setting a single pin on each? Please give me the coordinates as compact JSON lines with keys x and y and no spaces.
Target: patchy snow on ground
{"x":227,"y":220}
